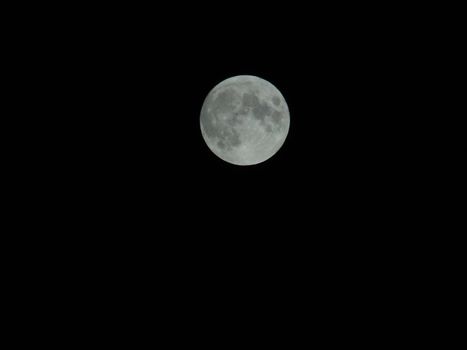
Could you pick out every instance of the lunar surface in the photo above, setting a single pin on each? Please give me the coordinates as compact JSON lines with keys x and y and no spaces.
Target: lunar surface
{"x":244,"y":120}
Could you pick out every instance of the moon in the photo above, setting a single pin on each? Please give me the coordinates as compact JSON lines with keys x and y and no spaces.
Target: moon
{"x":244,"y":120}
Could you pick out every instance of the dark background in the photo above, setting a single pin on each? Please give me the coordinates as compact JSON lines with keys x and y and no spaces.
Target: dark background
{"x":135,"y":202}
{"x":124,"y":87}
{"x":131,"y":83}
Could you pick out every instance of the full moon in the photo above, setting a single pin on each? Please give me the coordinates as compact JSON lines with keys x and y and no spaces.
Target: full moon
{"x":244,"y":120}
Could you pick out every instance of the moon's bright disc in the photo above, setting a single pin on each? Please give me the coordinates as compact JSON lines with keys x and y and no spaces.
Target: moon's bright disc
{"x":244,"y":120}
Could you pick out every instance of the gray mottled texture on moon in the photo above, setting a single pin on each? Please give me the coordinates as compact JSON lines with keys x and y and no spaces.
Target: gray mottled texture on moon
{"x":244,"y":120}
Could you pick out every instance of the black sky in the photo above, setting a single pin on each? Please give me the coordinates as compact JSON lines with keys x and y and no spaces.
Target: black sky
{"x":131,"y":83}
{"x":133,"y":210}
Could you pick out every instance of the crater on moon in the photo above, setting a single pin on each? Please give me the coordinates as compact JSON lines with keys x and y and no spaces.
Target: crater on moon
{"x":244,"y":120}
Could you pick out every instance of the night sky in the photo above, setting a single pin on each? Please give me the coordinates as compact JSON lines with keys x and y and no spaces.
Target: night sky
{"x":132,"y":214}
{"x":138,"y":184}
{"x":141,"y":84}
